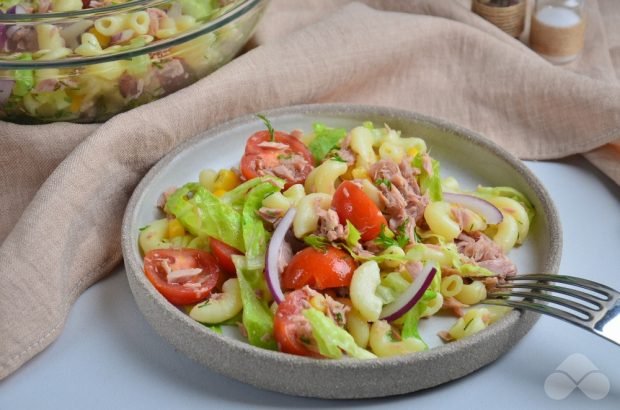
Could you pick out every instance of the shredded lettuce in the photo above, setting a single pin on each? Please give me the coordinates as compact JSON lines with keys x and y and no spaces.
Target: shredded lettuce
{"x":429,"y":183}
{"x":325,"y":140}
{"x":255,"y":236}
{"x":411,"y":319}
{"x":24,"y":79}
{"x":198,"y":9}
{"x":257,"y":317}
{"x":353,"y":235}
{"x":238,"y":195}
{"x":508,"y":192}
{"x":468,"y":269}
{"x":203,"y":214}
{"x":332,"y":339}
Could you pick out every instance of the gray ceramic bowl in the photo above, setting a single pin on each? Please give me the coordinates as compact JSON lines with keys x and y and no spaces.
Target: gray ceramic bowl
{"x":464,"y":154}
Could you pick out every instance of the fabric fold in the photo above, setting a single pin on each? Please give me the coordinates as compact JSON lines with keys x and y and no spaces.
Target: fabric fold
{"x":67,"y":185}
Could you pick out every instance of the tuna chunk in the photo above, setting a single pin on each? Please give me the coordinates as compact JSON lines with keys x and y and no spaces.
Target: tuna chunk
{"x":485,"y":253}
{"x":400,"y":192}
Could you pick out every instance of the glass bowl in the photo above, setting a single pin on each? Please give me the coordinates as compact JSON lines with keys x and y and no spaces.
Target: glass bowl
{"x":88,"y":65}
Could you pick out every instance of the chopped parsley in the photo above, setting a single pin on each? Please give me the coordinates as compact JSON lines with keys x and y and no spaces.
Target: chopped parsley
{"x":337,"y":157}
{"x":386,"y":238}
{"x":383,"y":181}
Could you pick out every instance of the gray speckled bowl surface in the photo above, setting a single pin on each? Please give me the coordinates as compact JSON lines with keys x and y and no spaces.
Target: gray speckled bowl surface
{"x":464,"y":154}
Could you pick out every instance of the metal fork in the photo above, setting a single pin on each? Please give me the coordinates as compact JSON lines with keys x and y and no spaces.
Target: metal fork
{"x":587,"y":304}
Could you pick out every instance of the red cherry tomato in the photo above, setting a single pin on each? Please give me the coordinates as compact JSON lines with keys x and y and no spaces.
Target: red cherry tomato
{"x":223,"y":255}
{"x":285,"y":157}
{"x":185,"y":290}
{"x":288,"y":325}
{"x":320,"y":269}
{"x":352,"y":203}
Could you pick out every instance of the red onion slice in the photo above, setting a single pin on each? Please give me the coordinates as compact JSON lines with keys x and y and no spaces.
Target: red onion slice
{"x":272,"y":272}
{"x":411,"y":296}
{"x":484,"y":208}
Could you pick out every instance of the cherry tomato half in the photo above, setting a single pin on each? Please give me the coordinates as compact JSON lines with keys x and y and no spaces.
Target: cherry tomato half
{"x":286,"y":152}
{"x":288,"y":325}
{"x":186,"y":290}
{"x":223,"y":255}
{"x":320,"y":269}
{"x":352,"y":203}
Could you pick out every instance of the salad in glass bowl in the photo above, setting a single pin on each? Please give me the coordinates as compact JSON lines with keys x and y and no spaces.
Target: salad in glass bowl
{"x":86,"y":61}
{"x":335,"y":243}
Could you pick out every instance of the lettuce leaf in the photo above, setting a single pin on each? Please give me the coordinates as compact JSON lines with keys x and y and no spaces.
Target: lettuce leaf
{"x":353,"y":235}
{"x":429,"y":183}
{"x":255,"y":236}
{"x":203,"y":214}
{"x":24,"y":79}
{"x":257,"y":317}
{"x":332,"y":339}
{"x":411,"y":319}
{"x":508,"y":192}
{"x":325,"y":140}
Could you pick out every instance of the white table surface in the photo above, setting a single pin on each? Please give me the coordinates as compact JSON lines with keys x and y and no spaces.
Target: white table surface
{"x":108,"y":357}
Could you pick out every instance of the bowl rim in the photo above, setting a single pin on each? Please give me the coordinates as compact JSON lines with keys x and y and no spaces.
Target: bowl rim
{"x":527,"y":319}
{"x":42,"y":17}
{"x":236,"y":12}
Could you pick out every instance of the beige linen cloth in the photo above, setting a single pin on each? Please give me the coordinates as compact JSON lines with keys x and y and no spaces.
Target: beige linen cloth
{"x":64,"y":187}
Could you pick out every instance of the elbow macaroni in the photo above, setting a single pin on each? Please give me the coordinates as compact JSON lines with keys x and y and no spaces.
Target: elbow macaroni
{"x":323,"y":178}
{"x":306,"y":219}
{"x":438,"y":215}
{"x":110,"y":25}
{"x":138,"y":22}
{"x":472,"y":293}
{"x":451,"y":285}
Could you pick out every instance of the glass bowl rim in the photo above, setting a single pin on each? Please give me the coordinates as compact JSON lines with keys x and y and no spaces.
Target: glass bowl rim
{"x":73,"y":62}
{"x":91,"y":12}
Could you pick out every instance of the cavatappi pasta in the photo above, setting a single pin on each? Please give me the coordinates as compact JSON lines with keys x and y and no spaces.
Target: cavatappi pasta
{"x":396,"y":220}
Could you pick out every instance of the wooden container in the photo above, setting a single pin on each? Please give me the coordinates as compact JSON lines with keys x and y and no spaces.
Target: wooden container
{"x":510,"y":19}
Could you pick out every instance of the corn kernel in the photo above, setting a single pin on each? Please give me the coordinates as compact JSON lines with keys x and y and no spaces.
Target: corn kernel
{"x":76,"y":103}
{"x":318,"y":302}
{"x":360,"y":173}
{"x":226,"y":180}
{"x":412,"y":152}
{"x":175,"y":229}
{"x":219,"y":192}
{"x":104,"y":41}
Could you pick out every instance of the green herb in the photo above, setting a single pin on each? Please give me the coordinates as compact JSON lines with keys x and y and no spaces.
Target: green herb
{"x":386,"y":238}
{"x":338,"y":158}
{"x":316,"y":241}
{"x":267,"y":123}
{"x":205,"y":303}
{"x":383,"y":181}
{"x":338,"y":317}
{"x":467,"y":324}
{"x":144,"y":227}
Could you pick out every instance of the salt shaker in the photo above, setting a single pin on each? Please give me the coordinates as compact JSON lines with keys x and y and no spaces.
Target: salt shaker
{"x":558,"y":29}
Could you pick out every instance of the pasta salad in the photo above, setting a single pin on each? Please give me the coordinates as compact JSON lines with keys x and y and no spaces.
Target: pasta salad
{"x":334,"y":243}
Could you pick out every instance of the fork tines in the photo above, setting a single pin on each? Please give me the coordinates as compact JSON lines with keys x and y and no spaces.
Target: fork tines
{"x":585,"y":303}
